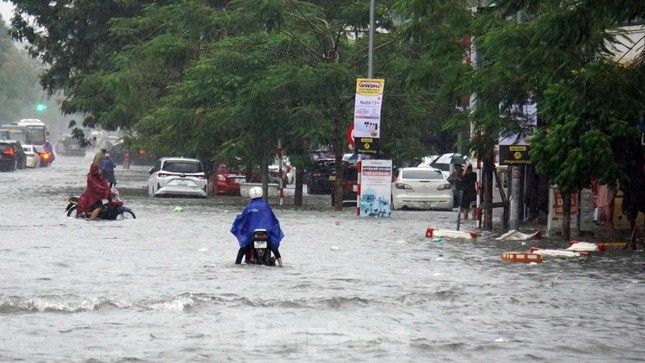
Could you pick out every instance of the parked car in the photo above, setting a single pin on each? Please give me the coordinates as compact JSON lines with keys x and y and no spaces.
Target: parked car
{"x":69,"y":146}
{"x":31,"y":156}
{"x":318,"y":181}
{"x":118,"y":151}
{"x":350,"y":184}
{"x":427,"y":160}
{"x":175,"y":176}
{"x":354,"y":158}
{"x":12,"y":156}
{"x":288,"y":172}
{"x":226,"y":180}
{"x":421,"y":188}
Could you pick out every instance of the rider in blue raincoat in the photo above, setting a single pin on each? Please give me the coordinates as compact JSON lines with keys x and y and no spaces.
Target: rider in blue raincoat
{"x":258,"y":214}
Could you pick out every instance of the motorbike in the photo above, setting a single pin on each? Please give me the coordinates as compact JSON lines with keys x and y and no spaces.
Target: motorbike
{"x":112,"y":210}
{"x":260,"y":253}
{"x":46,"y":158}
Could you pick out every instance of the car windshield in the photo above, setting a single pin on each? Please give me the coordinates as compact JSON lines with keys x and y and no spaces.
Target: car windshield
{"x":421,"y":173}
{"x":182,"y":167}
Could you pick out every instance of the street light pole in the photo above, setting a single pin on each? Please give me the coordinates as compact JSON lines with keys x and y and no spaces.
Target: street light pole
{"x":370,"y":58}
{"x":370,"y":75}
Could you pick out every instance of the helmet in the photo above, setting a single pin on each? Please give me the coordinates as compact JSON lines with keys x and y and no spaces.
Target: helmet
{"x":255,"y":192}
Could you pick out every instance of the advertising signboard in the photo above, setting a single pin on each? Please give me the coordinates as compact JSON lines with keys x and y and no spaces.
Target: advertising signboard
{"x":367,"y":115}
{"x":376,"y":188}
{"x":514,"y":149}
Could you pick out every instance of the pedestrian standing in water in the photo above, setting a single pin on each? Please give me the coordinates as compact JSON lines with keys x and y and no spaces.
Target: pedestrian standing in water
{"x":469,"y":182}
{"x":455,"y":180}
{"x":99,"y":156}
{"x":108,"y":170}
{"x":127,"y":159}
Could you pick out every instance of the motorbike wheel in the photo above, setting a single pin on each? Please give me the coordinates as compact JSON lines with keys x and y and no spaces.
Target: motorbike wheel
{"x":71,"y":212}
{"x":126,"y":215}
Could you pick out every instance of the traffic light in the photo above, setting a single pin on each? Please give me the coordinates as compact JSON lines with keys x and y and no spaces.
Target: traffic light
{"x":41,"y":107}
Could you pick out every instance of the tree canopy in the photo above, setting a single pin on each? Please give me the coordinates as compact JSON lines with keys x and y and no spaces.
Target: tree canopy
{"x":226,"y":79}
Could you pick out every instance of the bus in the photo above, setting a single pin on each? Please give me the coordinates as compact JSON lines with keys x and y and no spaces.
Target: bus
{"x":27,"y":131}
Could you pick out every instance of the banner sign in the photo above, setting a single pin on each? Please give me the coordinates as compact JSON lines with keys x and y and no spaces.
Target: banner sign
{"x":558,"y":203}
{"x":514,"y":149}
{"x":367,"y":108}
{"x":366,"y":145}
{"x":376,"y":188}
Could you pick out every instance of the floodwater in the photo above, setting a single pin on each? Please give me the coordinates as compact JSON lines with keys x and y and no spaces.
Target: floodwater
{"x":164,"y":288}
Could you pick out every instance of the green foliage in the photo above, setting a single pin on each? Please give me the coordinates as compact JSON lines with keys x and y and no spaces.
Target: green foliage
{"x":590,"y":118}
{"x":19,"y":90}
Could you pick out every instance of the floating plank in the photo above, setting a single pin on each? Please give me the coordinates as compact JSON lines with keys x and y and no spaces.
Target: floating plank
{"x":431,"y":233}
{"x":523,"y":257}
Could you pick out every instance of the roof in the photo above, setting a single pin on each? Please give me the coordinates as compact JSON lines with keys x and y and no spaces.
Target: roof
{"x":178,"y":158}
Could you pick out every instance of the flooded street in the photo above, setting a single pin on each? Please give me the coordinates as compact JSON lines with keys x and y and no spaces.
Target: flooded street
{"x":164,"y":288}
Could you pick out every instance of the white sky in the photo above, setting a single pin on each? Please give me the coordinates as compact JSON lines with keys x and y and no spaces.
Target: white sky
{"x":5,"y":11}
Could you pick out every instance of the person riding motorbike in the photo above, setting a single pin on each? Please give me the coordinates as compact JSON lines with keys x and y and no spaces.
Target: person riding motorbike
{"x":48,"y":148}
{"x":97,"y":190}
{"x":257,"y":215}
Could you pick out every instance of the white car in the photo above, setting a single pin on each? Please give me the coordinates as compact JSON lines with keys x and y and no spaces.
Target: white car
{"x":421,"y":188}
{"x":177,"y":177}
{"x":288,"y":172}
{"x":32,"y":158}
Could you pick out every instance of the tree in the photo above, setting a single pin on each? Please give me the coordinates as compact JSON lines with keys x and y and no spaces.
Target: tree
{"x":216,"y":79}
{"x":590,"y":129}
{"x":531,"y":50}
{"x":18,"y":76}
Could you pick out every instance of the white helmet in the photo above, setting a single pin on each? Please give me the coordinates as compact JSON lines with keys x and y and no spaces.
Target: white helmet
{"x":255,"y":192}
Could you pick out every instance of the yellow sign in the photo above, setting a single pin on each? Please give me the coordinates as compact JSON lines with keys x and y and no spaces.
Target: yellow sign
{"x":369,"y":87}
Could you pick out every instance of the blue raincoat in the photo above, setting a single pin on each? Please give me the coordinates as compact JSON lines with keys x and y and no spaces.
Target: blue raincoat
{"x":257,"y":215}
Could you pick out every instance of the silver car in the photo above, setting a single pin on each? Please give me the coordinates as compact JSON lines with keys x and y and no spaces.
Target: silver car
{"x":177,"y":177}
{"x":33,"y":159}
{"x":421,"y":188}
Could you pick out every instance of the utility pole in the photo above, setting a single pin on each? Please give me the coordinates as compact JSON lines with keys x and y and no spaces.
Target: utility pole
{"x":516,"y":175}
{"x":370,"y":75}
{"x":370,"y":57}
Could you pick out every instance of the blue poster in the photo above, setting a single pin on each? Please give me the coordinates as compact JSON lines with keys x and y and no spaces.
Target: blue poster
{"x":376,"y":188}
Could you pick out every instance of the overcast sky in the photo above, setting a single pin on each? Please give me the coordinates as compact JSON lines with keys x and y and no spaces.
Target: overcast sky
{"x":5,"y":11}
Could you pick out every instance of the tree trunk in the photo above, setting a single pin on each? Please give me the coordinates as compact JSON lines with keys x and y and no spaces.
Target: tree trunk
{"x":264,"y":172}
{"x":339,"y":135}
{"x":297,"y":197}
{"x":566,"y":216}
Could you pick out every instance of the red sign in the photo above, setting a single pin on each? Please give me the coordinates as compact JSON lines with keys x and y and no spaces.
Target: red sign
{"x":350,"y":134}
